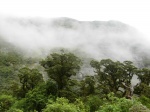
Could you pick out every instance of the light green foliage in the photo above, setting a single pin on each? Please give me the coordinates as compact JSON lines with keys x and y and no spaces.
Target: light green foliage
{"x":63,"y":105}
{"x":94,"y":102}
{"x":145,"y":101}
{"x":6,"y":101}
{"x":36,"y":99}
{"x":139,"y":108}
{"x":115,"y":104}
{"x":80,"y":105}
{"x":14,"y":110}
{"x":19,"y":105}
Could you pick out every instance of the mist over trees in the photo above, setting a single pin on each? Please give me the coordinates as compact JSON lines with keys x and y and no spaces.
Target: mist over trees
{"x":97,"y":39}
{"x":89,"y":74}
{"x":109,"y":89}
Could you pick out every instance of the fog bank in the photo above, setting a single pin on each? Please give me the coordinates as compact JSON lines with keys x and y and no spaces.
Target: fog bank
{"x":96,"y":39}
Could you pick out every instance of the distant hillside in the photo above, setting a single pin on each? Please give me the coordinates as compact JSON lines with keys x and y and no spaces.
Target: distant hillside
{"x":96,"y":39}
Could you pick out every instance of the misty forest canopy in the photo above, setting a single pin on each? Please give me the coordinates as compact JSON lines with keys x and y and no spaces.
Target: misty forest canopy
{"x":65,"y":65}
{"x":54,"y":84}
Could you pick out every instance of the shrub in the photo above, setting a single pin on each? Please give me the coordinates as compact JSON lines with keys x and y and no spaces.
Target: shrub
{"x":63,"y":105}
{"x":117,"y":104}
{"x":6,"y":101}
{"x":139,"y":108}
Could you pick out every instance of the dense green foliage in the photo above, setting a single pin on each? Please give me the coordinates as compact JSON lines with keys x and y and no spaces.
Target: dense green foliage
{"x":60,"y":67}
{"x":54,"y":87}
{"x":63,"y":105}
{"x":112,"y":76}
{"x":8,"y":65}
{"x":29,"y":78}
{"x":6,"y":101}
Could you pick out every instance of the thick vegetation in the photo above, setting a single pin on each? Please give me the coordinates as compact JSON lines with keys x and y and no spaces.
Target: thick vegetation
{"x":24,"y":88}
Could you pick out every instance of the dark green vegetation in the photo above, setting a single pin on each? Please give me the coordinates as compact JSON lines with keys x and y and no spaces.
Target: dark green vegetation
{"x":52,"y":85}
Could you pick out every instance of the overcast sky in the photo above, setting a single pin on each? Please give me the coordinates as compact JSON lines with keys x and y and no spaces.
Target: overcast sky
{"x":133,"y":12}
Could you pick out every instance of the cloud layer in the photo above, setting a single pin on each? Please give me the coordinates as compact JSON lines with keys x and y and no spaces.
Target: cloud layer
{"x":97,"y":39}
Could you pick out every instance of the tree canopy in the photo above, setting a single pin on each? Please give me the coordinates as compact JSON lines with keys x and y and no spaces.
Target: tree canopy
{"x":61,"y":66}
{"x":109,"y":88}
{"x":114,"y":76}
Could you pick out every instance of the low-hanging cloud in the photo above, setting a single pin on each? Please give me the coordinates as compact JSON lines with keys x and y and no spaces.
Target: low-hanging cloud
{"x":97,"y":39}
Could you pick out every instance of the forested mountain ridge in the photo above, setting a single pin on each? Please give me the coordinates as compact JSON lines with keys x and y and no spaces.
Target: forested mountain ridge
{"x":65,"y":65}
{"x":110,"y":88}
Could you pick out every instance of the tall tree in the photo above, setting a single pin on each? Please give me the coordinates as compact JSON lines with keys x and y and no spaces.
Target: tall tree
{"x":144,"y":76}
{"x":29,"y":78}
{"x":112,"y":76}
{"x":61,"y":66}
{"x":143,"y":87}
{"x":88,"y":86}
